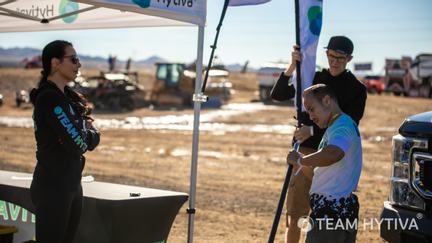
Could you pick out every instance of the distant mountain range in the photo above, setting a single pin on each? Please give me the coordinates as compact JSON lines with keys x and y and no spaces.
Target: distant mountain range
{"x":13,"y":57}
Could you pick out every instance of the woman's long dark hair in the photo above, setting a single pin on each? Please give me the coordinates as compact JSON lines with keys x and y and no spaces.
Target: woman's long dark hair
{"x":57,"y":49}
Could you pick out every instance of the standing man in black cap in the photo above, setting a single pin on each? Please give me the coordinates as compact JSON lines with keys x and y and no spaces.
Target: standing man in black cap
{"x":351,"y":96}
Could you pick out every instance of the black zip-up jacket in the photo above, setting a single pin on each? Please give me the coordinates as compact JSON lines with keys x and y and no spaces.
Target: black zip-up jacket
{"x":350,"y":93}
{"x":61,"y":139}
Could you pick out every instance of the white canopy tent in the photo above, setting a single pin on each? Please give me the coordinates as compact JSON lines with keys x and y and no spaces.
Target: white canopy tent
{"x":45,"y":15}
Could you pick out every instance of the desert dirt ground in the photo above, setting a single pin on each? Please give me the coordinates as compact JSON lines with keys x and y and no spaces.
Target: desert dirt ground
{"x":240,"y":174}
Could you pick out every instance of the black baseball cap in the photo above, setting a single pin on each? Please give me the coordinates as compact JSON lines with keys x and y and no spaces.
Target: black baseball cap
{"x":341,"y":44}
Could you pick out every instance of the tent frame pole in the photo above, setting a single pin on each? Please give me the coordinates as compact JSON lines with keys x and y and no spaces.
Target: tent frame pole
{"x":198,"y":99}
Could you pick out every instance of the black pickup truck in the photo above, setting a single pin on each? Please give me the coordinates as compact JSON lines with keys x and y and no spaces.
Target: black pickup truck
{"x":407,"y":216}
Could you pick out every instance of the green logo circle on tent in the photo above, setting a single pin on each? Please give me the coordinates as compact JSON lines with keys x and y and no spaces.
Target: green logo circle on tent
{"x":142,"y":3}
{"x":315,"y":19}
{"x":58,"y":110}
{"x":67,"y":7}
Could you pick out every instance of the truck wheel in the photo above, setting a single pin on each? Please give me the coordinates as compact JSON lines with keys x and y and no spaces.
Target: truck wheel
{"x":127,"y":103}
{"x":226,"y":94}
{"x":187,"y":101}
{"x":263,"y":94}
{"x":424,"y":91}
{"x":429,"y":83}
{"x":113,"y":103}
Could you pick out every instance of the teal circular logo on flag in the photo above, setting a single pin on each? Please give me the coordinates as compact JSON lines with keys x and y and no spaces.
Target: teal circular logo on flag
{"x":142,"y":3}
{"x":67,"y":7}
{"x":315,"y":19}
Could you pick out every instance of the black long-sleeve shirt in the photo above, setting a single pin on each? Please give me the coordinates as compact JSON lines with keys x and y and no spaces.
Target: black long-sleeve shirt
{"x":350,"y":93}
{"x":61,"y":139}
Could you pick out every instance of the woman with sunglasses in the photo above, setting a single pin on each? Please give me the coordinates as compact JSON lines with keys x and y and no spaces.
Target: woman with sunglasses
{"x":63,"y":132}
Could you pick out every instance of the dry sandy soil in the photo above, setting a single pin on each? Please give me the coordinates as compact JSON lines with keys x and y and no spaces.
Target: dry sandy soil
{"x":240,"y":174}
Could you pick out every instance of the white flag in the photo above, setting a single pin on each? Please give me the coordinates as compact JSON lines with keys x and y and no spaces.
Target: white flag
{"x":310,"y":27}
{"x":246,"y":2}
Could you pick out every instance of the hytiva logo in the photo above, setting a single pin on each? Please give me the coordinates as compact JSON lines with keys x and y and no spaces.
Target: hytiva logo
{"x":181,"y":3}
{"x":38,"y":11}
{"x":71,"y":130}
{"x":142,"y":3}
{"x":11,"y":212}
{"x":67,"y":7}
{"x":315,"y":19}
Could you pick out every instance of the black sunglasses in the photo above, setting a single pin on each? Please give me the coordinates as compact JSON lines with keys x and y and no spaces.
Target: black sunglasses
{"x":73,"y":58}
{"x":339,"y":59}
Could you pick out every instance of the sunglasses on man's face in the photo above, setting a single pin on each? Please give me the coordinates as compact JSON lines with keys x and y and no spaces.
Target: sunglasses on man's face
{"x":339,"y":59}
{"x":73,"y":58}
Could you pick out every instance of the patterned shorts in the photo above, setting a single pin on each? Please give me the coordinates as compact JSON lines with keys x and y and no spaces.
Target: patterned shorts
{"x":334,"y":208}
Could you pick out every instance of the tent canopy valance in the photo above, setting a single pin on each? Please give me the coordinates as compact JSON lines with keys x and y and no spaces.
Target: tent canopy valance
{"x":45,"y":15}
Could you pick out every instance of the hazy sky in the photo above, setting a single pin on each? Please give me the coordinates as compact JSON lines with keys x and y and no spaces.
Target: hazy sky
{"x":262,"y":33}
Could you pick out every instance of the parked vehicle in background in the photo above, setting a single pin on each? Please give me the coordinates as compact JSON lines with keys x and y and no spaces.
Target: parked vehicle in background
{"x":33,"y":62}
{"x":409,"y":77}
{"x":268,"y":74}
{"x":111,"y":91}
{"x":22,"y":97}
{"x":175,"y":86}
{"x":1,"y":99}
{"x":407,"y":216}
{"x":374,"y":84}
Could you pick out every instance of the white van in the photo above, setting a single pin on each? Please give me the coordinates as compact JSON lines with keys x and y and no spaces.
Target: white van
{"x":268,"y":74}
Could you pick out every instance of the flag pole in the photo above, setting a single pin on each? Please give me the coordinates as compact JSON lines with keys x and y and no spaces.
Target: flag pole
{"x":298,"y":64}
{"x":296,"y":145}
{"x":214,"y":44}
{"x":282,"y":199}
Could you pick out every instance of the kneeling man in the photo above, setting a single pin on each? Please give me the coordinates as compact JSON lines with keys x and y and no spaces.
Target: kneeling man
{"x":337,"y":163}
